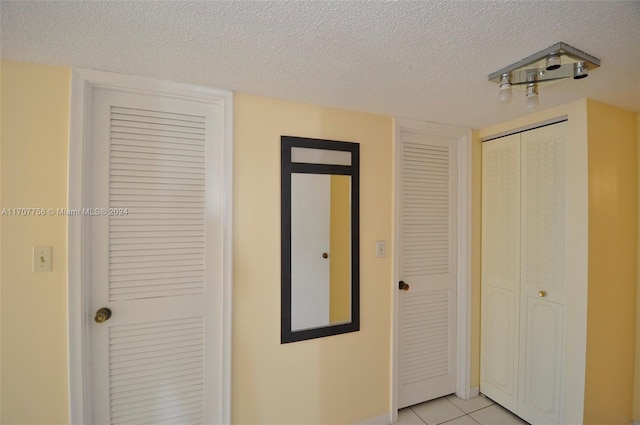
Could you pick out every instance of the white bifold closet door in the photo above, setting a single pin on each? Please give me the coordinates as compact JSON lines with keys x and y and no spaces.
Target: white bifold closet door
{"x":156,"y":258}
{"x":428,"y":263}
{"x":544,"y":261}
{"x":524,"y":257}
{"x":500,"y":269}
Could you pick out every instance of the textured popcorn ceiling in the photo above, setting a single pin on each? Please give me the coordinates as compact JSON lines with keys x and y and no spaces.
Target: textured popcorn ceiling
{"x":423,"y":60}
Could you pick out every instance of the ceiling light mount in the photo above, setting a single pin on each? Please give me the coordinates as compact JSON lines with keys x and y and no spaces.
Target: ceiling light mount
{"x":546,"y":67}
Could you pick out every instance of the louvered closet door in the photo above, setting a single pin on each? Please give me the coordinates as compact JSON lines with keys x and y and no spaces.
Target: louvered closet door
{"x":500,"y":270}
{"x":544,"y":259}
{"x":155,"y":259}
{"x":427,"y":262}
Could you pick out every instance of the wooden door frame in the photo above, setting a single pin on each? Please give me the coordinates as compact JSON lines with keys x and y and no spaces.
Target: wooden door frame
{"x":463,"y":331}
{"x":83,"y":82}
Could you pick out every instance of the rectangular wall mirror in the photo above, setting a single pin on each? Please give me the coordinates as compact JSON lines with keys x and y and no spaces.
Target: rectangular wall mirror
{"x":320,"y":238}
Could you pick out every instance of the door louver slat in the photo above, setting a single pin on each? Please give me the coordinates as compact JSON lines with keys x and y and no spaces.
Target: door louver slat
{"x":425,"y":237}
{"x":425,"y":351}
{"x":157,"y":249}
{"x":160,"y":180}
{"x":150,"y":380}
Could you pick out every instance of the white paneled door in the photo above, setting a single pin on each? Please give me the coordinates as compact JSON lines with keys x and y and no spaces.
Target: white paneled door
{"x":156,"y":258}
{"x":427,"y":266}
{"x":500,"y":269}
{"x":543,"y":288}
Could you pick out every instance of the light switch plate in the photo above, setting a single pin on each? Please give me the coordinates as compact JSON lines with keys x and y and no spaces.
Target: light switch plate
{"x":41,"y":259}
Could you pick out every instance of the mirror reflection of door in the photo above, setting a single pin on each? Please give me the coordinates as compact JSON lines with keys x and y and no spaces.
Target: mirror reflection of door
{"x":310,"y":215}
{"x":320,"y":250}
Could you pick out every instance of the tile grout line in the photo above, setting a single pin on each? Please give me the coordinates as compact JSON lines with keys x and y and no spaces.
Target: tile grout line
{"x":453,"y":419}
{"x":449,"y":420}
{"x":464,"y":413}
{"x":472,"y":411}
{"x":474,"y":419}
{"x":416,"y":413}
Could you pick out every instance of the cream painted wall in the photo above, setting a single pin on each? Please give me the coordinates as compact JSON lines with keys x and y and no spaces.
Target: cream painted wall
{"x":0,"y":244}
{"x":613,"y":214}
{"x":636,"y":392}
{"x":34,"y":141}
{"x":339,"y":379}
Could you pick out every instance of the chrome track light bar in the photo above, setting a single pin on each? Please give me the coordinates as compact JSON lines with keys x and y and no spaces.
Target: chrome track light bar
{"x":551,"y":64}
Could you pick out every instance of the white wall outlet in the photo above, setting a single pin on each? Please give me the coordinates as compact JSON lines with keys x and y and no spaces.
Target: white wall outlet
{"x":41,"y":259}
{"x":380,"y":249}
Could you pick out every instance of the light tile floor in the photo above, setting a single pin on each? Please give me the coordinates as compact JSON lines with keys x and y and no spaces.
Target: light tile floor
{"x":451,"y":410}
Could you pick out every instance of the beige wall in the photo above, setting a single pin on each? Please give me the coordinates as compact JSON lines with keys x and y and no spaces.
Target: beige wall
{"x":34,"y":139}
{"x":613,"y":214}
{"x":636,"y":393}
{"x":339,"y":379}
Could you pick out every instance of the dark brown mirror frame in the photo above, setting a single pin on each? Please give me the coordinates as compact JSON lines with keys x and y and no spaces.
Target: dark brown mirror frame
{"x":353,"y":170}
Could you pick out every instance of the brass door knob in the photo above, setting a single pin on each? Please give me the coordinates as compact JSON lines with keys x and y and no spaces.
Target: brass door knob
{"x":402,"y":285}
{"x":542,"y":294}
{"x":102,"y":315}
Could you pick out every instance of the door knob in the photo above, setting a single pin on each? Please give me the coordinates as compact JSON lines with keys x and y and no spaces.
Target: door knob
{"x":102,"y":315}
{"x":542,"y":294}
{"x":403,"y":285}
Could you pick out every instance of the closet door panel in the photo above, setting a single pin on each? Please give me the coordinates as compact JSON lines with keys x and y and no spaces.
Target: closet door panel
{"x":541,"y":377}
{"x":500,"y":269}
{"x":501,"y":340}
{"x":543,"y":281}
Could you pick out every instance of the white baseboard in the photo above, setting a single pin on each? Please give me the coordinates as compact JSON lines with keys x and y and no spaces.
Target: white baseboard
{"x":474,"y":392}
{"x":384,"y":419}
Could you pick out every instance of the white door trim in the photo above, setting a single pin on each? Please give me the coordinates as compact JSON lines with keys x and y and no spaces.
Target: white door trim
{"x":463,"y":135}
{"x":82,"y":84}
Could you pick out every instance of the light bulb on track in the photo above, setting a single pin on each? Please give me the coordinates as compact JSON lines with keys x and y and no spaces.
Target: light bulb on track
{"x":505,"y":94}
{"x":532,"y":102}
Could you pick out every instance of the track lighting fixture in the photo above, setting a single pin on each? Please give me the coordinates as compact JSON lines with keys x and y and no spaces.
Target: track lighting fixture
{"x":544,"y":68}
